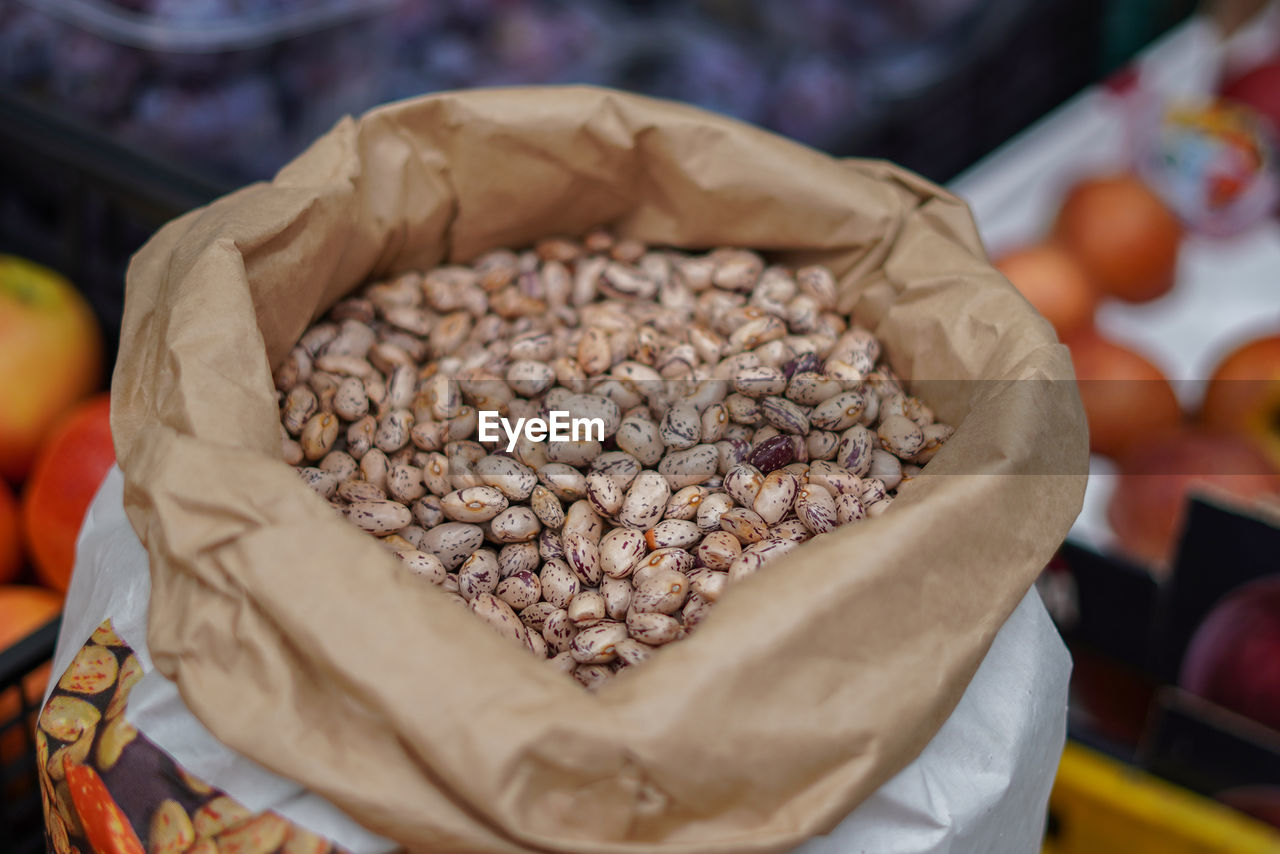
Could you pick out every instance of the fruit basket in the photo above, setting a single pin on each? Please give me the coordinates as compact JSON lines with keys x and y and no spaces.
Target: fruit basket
{"x":21,"y":819}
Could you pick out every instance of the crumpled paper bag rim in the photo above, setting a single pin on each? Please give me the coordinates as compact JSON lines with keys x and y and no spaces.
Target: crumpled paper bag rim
{"x":246,"y":562}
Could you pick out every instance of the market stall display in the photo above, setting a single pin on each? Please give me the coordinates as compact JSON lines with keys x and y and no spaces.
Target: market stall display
{"x":1178,"y":518}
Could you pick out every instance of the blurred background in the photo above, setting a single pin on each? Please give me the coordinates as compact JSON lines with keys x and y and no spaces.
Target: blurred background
{"x":1119,"y":157}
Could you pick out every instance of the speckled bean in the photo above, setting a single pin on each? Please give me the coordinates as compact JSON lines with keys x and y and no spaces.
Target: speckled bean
{"x":711,"y":509}
{"x":558,"y":582}
{"x":886,"y":467}
{"x":854,"y":451}
{"x":632,"y":652}
{"x":653,"y":628}
{"x":587,"y":608}
{"x":520,"y":590}
{"x":509,"y":476}
{"x":518,"y":557}
{"x":453,"y":542}
{"x":535,"y":616}
{"x":640,"y":438}
{"x":583,"y":557}
{"x":582,"y":518}
{"x":645,"y":501}
{"x":689,"y":467}
{"x":516,"y":524}
{"x":619,"y":551}
{"x":673,"y":533}
{"x":478,"y":574}
{"x":423,"y":564}
{"x":784,"y":415}
{"x":597,"y":644}
{"x":499,"y":615}
{"x":547,"y":507}
{"x":718,"y":549}
{"x":901,"y":436}
{"x":474,"y":504}
{"x":558,"y":630}
{"x":849,"y":509}
{"x":710,"y":584}
{"x":605,"y":495}
{"x":743,"y":483}
{"x":319,"y":434}
{"x":816,"y":508}
{"x":379,"y":517}
{"x":746,"y":525}
{"x":566,"y":482}
{"x":775,"y":497}
{"x":617,"y":596}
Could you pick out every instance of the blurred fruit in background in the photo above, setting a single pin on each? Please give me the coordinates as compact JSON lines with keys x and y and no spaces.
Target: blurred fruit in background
{"x":1055,"y":284}
{"x":67,"y":474}
{"x":23,"y":609}
{"x":1149,"y":503}
{"x":50,"y":357}
{"x":1243,"y":395}
{"x":1258,"y":87}
{"x":1127,"y":400}
{"x":1234,"y":656}
{"x":10,"y":536}
{"x":1123,"y":236}
{"x":1261,"y":802}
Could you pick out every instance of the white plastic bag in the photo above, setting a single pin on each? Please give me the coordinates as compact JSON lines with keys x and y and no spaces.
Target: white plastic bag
{"x":981,"y":785}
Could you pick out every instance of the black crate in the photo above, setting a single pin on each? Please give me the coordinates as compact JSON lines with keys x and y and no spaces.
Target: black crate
{"x":77,"y":201}
{"x":21,"y":815}
{"x":1128,"y":638}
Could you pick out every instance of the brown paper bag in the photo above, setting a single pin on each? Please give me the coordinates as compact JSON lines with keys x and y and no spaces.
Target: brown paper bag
{"x":297,"y":640}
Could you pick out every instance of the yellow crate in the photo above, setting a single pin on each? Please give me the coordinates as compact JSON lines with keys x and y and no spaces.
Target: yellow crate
{"x":1101,"y":806}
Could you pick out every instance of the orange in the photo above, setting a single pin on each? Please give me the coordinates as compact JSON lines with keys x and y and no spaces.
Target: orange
{"x":1055,"y":284}
{"x":22,"y":610}
{"x":68,"y":471}
{"x":1123,"y":236}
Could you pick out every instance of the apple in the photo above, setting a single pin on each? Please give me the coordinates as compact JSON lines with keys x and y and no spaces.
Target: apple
{"x":50,"y":357}
{"x":1243,"y":395}
{"x":1127,"y":400}
{"x":1149,"y":502}
{"x":1260,"y":89}
{"x":1234,"y":656}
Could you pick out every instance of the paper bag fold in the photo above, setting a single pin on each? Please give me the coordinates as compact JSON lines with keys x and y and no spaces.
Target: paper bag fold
{"x":298,"y":641}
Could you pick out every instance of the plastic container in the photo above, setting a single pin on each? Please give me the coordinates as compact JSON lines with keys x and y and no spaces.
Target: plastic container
{"x":21,"y":815}
{"x":1101,"y":806}
{"x":236,"y":86}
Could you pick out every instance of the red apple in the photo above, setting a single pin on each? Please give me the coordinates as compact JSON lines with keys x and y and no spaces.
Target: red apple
{"x":1234,"y":657}
{"x":50,"y":357}
{"x":1147,"y":507}
{"x":1243,"y":395}
{"x":1260,"y":89}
